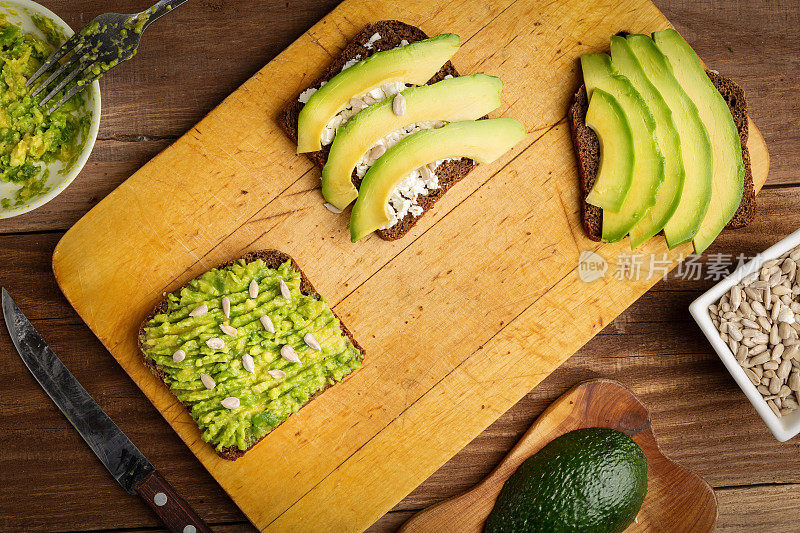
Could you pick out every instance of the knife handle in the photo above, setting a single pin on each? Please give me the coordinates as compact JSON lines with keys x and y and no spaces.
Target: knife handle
{"x":173,"y":510}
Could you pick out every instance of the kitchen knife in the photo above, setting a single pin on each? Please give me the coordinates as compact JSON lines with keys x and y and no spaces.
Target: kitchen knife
{"x":126,"y":463}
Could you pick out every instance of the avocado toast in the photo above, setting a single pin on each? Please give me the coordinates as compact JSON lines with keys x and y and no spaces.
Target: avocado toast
{"x":241,"y":374}
{"x":716,"y":190}
{"x":384,"y":36}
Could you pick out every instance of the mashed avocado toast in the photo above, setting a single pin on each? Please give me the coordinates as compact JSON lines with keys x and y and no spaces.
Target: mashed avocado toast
{"x":244,"y":346}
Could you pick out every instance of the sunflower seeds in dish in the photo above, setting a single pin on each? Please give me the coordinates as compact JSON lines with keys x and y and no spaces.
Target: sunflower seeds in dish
{"x":757,"y":320}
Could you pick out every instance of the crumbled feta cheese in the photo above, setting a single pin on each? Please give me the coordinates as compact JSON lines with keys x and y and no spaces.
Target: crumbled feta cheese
{"x":357,"y":104}
{"x":372,"y":40}
{"x":350,"y":62}
{"x":403,"y":199}
{"x":305,"y":95}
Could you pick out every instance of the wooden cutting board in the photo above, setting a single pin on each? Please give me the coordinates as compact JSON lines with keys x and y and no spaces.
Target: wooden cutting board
{"x":677,"y":500}
{"x":459,"y":319}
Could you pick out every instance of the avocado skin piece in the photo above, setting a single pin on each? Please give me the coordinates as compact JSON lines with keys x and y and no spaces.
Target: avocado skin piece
{"x":614,"y":177}
{"x":669,"y":195}
{"x":726,"y":146}
{"x":694,"y":140}
{"x":587,"y":480}
{"x":648,"y":166}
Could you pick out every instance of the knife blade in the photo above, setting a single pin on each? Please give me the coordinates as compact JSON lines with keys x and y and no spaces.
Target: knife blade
{"x":115,"y":450}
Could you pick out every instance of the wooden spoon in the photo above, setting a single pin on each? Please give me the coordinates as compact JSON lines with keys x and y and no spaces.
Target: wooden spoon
{"x":677,"y":500}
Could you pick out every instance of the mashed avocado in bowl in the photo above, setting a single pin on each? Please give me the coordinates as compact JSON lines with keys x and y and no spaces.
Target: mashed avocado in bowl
{"x":40,"y":153}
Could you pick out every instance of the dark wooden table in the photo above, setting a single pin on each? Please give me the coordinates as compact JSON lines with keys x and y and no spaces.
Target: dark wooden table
{"x":50,"y":481}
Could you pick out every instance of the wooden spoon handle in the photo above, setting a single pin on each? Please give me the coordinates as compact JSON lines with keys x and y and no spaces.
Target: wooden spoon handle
{"x":173,"y":510}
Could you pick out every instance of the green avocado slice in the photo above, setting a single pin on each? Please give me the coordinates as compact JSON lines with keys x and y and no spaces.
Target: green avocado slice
{"x":726,"y":148}
{"x":606,"y":118}
{"x":413,"y":64}
{"x":694,"y":140}
{"x":669,"y":195}
{"x":480,"y":140}
{"x":648,"y":164}
{"x":451,"y":100}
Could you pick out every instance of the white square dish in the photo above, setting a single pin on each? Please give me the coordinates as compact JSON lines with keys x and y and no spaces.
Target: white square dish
{"x":787,"y":426}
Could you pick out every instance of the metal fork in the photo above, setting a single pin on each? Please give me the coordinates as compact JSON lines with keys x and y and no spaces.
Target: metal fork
{"x":105,"y":42}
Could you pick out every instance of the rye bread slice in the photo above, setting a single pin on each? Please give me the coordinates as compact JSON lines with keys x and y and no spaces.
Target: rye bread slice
{"x":587,"y":149}
{"x":392,"y":32}
{"x":273,"y":259}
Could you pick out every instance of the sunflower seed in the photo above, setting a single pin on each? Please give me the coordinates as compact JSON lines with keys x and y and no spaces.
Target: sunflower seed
{"x":208,"y":381}
{"x":768,"y":374}
{"x":227,"y":330}
{"x":758,"y":286}
{"x":758,"y":371}
{"x":757,"y":349}
{"x":747,"y":310}
{"x":749,"y":323}
{"x":332,"y":208}
{"x":771,"y":365}
{"x":277,"y":374}
{"x":735,"y":297}
{"x":754,"y":379}
{"x":713,"y":310}
{"x":763,"y":390}
{"x":399,"y":105}
{"x":793,"y":352}
{"x":769,"y":264}
{"x":250,"y":365}
{"x":783,"y":331}
{"x":226,"y":307}
{"x":752,"y":294}
{"x":749,"y":333}
{"x":288,"y":353}
{"x":776,"y":310}
{"x":733,"y":332}
{"x":764,"y":323}
{"x":774,"y":408}
{"x":795,"y":255}
{"x":760,"y":359}
{"x":231,"y":402}
{"x":788,"y":266}
{"x":790,"y":402}
{"x":179,"y":356}
{"x":200,"y":310}
{"x":777,"y":352}
{"x":774,"y":385}
{"x":252,"y":289}
{"x":784,"y":368}
{"x":780,"y":290}
{"x":733,"y":345}
{"x":312,"y":341}
{"x":741,"y":353}
{"x":775,"y":278}
{"x":758,"y":308}
{"x":377,"y":151}
{"x":774,"y":335}
{"x":287,"y":295}
{"x":794,"y":381}
{"x":784,"y":391}
{"x":765,"y":380}
{"x":215,"y":343}
{"x":267,"y":323}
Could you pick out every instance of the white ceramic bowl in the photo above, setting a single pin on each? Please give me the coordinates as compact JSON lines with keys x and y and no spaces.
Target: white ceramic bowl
{"x":787,"y":426}
{"x":19,"y":12}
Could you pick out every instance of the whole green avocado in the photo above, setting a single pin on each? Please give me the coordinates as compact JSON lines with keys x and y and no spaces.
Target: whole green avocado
{"x":588,"y":480}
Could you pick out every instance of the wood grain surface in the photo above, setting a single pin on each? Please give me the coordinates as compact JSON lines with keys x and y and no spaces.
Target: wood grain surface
{"x":675,"y":495}
{"x":700,"y":417}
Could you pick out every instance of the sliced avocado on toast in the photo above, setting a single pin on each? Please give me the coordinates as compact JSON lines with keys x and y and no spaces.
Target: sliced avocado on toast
{"x":592,"y":479}
{"x":480,"y":140}
{"x":648,"y":169}
{"x":669,"y":195}
{"x":726,"y":150}
{"x":693,"y":136}
{"x":412,"y":64}
{"x":606,"y":117}
{"x":450,"y":100}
